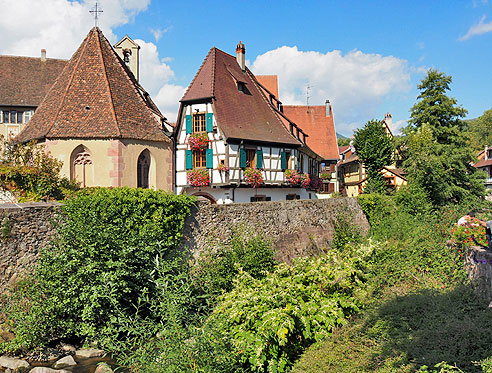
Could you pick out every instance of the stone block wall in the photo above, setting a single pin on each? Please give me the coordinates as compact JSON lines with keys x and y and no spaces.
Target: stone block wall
{"x":478,"y":265}
{"x":296,"y":228}
{"x":30,"y":229}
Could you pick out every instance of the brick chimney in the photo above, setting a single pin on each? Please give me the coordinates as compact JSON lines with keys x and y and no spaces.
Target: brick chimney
{"x":43,"y":55}
{"x":241,"y":55}
{"x":328,"y":108}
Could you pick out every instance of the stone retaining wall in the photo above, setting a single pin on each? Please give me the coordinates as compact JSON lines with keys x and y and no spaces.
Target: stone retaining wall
{"x":30,"y":229}
{"x":478,"y":265}
{"x":296,"y":228}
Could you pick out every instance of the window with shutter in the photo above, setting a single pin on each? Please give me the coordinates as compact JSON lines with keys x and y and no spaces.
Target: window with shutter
{"x":210,"y":158}
{"x":210,"y":122}
{"x":259,"y":159}
{"x":188,"y":124}
{"x":242,"y":158}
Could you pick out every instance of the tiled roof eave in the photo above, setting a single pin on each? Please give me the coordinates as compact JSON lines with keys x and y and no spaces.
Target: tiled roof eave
{"x":236,"y":140}
{"x":199,"y":99}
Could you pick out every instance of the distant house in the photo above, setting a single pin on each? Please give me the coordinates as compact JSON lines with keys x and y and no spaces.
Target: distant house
{"x":485,"y":164}
{"x":99,"y":121}
{"x":24,"y":83}
{"x":228,"y":125}
{"x":352,"y":174}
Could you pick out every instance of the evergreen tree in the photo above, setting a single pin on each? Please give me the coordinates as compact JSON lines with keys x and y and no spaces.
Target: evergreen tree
{"x":438,"y":155}
{"x":375,"y":150}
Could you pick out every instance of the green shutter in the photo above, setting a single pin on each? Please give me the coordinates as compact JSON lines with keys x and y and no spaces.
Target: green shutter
{"x":283,"y":161}
{"x":210,"y":158}
{"x":210,"y":122}
{"x":189,"y":159}
{"x":259,"y":158}
{"x":242,"y":158}
{"x":188,"y":124}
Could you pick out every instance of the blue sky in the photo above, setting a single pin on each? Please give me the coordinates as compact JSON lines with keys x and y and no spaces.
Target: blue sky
{"x":367,"y":57}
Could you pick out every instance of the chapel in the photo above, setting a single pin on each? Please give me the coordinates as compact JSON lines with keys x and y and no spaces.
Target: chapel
{"x":100,"y":122}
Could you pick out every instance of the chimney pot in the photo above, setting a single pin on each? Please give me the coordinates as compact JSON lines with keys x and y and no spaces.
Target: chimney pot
{"x":43,"y":55}
{"x":241,"y":55}
{"x":328,"y":108}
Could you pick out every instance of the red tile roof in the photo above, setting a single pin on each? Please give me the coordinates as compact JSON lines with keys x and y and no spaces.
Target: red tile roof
{"x":483,"y":163}
{"x":320,"y":128}
{"x":270,"y":82}
{"x":26,"y":80}
{"x":95,"y":96}
{"x":343,"y":149}
{"x":241,"y":116}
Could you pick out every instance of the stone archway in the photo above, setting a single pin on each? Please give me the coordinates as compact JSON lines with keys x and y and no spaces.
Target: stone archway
{"x":205,"y":196}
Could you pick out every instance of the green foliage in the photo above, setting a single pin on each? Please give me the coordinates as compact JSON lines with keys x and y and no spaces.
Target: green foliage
{"x":471,"y":234}
{"x":31,"y":173}
{"x":343,"y":141}
{"x":374,"y":148}
{"x":480,"y":130}
{"x":270,"y":321}
{"x":100,"y":266}
{"x":246,"y":251}
{"x":438,"y":156}
{"x":345,"y":233}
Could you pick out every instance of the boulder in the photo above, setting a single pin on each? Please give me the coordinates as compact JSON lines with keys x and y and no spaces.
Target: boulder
{"x":47,"y":370}
{"x":89,"y":352}
{"x":13,"y":363}
{"x":103,"y":368}
{"x":68,"y":348}
{"x":64,"y":362}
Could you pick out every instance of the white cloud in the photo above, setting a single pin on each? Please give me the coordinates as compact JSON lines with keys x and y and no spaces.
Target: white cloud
{"x":355,"y":83}
{"x":159,"y":32}
{"x":155,"y":77}
{"x":480,"y":28}
{"x":60,"y":26}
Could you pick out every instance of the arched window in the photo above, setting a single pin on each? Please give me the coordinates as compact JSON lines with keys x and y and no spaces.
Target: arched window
{"x":143,"y":168}
{"x":82,"y":166}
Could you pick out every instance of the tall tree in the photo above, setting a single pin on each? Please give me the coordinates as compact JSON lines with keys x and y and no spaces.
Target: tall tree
{"x":375,"y":150}
{"x":438,"y":155}
{"x":480,"y":130}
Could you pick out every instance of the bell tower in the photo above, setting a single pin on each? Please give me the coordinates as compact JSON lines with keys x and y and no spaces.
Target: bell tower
{"x":128,"y":51}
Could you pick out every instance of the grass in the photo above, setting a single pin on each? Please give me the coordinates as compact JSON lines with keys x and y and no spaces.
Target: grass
{"x":422,"y":310}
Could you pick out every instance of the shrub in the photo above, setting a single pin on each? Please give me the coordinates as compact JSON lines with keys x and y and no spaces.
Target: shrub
{"x":270,"y":321}
{"x":218,"y":267}
{"x":345,"y":232}
{"x":99,"y":266}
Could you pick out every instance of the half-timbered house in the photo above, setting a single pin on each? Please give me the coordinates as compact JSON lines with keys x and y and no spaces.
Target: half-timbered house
{"x":233,"y":143}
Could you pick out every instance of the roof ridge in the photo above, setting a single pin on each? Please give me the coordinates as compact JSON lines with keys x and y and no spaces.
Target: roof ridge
{"x":32,"y":58}
{"x":86,"y":41}
{"x":107,"y":85}
{"x":198,"y":72}
{"x":213,"y":71}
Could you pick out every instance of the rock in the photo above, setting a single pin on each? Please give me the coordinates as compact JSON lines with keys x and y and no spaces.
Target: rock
{"x":47,"y":370}
{"x":68,"y":348}
{"x":89,"y":352}
{"x":46,"y":354}
{"x":103,"y":368}
{"x":13,"y":363}
{"x":65,"y":362}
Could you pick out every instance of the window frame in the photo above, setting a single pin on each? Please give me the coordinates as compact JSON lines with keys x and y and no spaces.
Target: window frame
{"x":200,"y":158}
{"x":198,"y":125}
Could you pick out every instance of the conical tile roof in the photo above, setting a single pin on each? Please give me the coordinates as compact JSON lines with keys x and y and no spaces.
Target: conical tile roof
{"x":95,"y":96}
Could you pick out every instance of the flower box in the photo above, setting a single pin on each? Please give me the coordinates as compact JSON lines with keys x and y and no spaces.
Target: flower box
{"x":198,"y":141}
{"x":253,"y":176}
{"x":198,"y":177}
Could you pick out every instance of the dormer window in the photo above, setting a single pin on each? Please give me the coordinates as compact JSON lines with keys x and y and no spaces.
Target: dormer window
{"x":241,"y":87}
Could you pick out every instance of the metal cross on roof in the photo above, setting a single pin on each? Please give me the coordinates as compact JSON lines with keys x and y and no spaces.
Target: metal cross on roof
{"x":95,"y":11}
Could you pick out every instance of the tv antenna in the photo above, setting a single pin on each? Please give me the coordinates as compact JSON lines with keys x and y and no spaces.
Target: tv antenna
{"x":95,"y":12}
